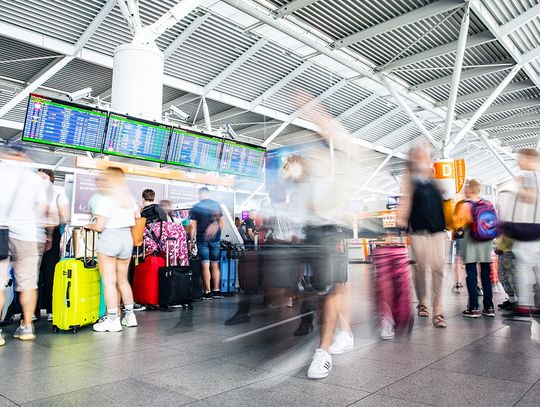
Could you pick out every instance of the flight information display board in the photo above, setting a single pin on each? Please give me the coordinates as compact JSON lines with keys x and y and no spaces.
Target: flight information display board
{"x":63,"y":124}
{"x":136,"y":138}
{"x":194,"y":150}
{"x":242,"y":159}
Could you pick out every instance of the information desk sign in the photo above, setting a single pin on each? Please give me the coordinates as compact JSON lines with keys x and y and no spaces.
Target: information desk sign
{"x":242,"y":159}
{"x":136,"y":138}
{"x":194,"y":150}
{"x":64,"y":124}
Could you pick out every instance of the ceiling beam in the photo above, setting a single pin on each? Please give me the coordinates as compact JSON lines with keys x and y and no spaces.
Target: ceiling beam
{"x":376,"y":122}
{"x":281,"y":83}
{"x":505,"y":107}
{"x":227,"y":114}
{"x":531,"y":55}
{"x":519,"y":21}
{"x":483,"y":109}
{"x":390,"y":136}
{"x":513,"y":133}
{"x":512,"y":87}
{"x":182,"y":100}
{"x":10,"y":124}
{"x":472,"y":41}
{"x":184,"y":35}
{"x":512,"y":120}
{"x":485,"y":15}
{"x":411,"y":17}
{"x":467,"y":73}
{"x":520,"y":142}
{"x":238,"y":62}
{"x":290,"y":8}
{"x":357,"y":107}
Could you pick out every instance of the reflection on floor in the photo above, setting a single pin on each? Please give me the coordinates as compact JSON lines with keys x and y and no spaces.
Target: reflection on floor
{"x":185,"y":357}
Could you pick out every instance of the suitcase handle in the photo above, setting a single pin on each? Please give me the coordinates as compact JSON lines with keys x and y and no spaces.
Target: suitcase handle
{"x":169,"y":239}
{"x":68,"y":290}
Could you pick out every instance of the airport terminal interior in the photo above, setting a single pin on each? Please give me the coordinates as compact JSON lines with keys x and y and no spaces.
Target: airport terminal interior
{"x":270,"y":203}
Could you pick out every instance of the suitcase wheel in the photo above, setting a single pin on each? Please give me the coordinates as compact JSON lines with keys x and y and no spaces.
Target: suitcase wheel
{"x":74,"y":330}
{"x":55,"y":329}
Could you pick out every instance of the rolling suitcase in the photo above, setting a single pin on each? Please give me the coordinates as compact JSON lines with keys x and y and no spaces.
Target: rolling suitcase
{"x":11,"y":304}
{"x":196,"y":269}
{"x":175,"y":284}
{"x":227,"y":271}
{"x":248,"y":271}
{"x":146,"y":279}
{"x":393,"y":285}
{"x":76,"y":292}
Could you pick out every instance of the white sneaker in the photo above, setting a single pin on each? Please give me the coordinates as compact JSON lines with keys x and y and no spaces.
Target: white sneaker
{"x":2,"y":340}
{"x":343,"y":342}
{"x":387,"y":330}
{"x":107,"y":324}
{"x":321,"y":365}
{"x":289,"y":303}
{"x":129,"y":320}
{"x":49,"y":317}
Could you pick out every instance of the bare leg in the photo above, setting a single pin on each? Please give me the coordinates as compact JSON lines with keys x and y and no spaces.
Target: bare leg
{"x":206,"y":275}
{"x":215,"y":275}
{"x":107,"y":268}
{"x":122,"y":268}
{"x":330,"y":309}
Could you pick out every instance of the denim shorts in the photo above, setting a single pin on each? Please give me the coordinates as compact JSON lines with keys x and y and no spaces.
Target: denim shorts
{"x":116,"y":243}
{"x":209,"y":251}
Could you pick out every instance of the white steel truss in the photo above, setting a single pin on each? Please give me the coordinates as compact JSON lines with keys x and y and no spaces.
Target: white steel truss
{"x":519,"y":21}
{"x":411,"y":17}
{"x":510,"y":121}
{"x":374,"y":174}
{"x":293,"y":6}
{"x":517,"y":132}
{"x":485,"y":106}
{"x":472,"y":41}
{"x":376,"y":122}
{"x":391,"y":136}
{"x":184,"y":35}
{"x":512,"y":87}
{"x":357,"y":107}
{"x":506,"y":107}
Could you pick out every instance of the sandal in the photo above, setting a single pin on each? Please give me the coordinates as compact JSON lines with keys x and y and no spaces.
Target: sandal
{"x":439,"y":322}
{"x":423,"y":311}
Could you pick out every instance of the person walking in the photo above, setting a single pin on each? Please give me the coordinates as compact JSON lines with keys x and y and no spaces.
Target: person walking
{"x":475,"y":253}
{"x":205,"y":233}
{"x":421,"y":212}
{"x":23,"y":207}
{"x":116,"y":212}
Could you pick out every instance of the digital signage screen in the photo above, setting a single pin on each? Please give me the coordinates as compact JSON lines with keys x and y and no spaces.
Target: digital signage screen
{"x":195,"y":150}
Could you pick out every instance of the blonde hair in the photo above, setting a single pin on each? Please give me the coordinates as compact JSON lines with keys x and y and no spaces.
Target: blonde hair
{"x":474,"y":186}
{"x":117,"y":187}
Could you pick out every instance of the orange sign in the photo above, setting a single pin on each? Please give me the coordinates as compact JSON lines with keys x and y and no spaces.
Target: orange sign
{"x":444,"y":170}
{"x":163,"y":173}
{"x":460,"y":170}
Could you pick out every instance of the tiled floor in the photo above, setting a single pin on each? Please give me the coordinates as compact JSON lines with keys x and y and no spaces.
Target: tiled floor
{"x":186,"y":357}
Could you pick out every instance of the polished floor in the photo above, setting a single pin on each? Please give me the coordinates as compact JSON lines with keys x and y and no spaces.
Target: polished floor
{"x":191,"y":358}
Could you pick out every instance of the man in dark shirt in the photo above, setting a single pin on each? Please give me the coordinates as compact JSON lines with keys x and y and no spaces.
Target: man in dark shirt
{"x":151,"y":211}
{"x":205,"y":231}
{"x":249,"y":230}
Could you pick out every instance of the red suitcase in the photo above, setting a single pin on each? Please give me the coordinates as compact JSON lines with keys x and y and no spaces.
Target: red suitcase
{"x":393,"y":285}
{"x":146,"y":280}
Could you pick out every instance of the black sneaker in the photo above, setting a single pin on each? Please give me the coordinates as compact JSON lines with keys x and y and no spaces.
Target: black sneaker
{"x":217,"y":294}
{"x":138,"y":307}
{"x":208,"y":296}
{"x":506,"y":305}
{"x":238,"y":318}
{"x":489,"y":312}
{"x":471,"y":313}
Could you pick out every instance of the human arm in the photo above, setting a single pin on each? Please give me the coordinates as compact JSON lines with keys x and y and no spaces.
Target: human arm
{"x":405,"y":202}
{"x":99,"y":226}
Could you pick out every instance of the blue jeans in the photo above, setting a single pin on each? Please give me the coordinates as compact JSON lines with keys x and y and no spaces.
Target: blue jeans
{"x":209,"y":251}
{"x":472,"y":284}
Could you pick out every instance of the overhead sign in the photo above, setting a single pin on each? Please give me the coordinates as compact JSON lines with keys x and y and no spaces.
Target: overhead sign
{"x":460,"y":171}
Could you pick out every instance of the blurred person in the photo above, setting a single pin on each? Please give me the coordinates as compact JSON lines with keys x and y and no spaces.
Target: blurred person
{"x":57,"y":216}
{"x":23,"y":206}
{"x":249,"y":230}
{"x":116,"y":212}
{"x":166,"y":205}
{"x":101,"y":187}
{"x":237,"y":223}
{"x":475,"y":252}
{"x":205,"y":234}
{"x":420,"y":211}
{"x":507,"y":272}
{"x":527,"y":253}
{"x":152,"y":211}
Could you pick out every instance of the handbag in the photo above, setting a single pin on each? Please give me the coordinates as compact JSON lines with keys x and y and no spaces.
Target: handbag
{"x":4,"y":230}
{"x":137,"y":231}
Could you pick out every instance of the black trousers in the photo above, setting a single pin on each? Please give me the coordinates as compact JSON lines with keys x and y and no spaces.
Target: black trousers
{"x":46,"y":272}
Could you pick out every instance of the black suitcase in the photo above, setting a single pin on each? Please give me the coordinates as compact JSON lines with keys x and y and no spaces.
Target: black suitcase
{"x":175,"y":284}
{"x":196,"y":269}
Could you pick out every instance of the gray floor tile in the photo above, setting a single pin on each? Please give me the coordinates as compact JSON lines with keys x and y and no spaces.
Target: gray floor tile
{"x":38,"y":384}
{"x":364,"y":374}
{"x":131,"y":393}
{"x":376,"y":400}
{"x":442,"y":388}
{"x":502,"y":344}
{"x":207,"y":378}
{"x":496,"y":365}
{"x":285,"y":391}
{"x":4,"y":402}
{"x":532,"y":398}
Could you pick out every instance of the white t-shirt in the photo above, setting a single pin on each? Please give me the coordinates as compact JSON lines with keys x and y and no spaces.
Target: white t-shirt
{"x":57,"y":201}
{"x":26,"y":190}
{"x":117,"y":217}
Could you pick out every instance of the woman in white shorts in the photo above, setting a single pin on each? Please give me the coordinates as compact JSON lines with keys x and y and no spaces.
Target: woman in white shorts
{"x":115,"y":215}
